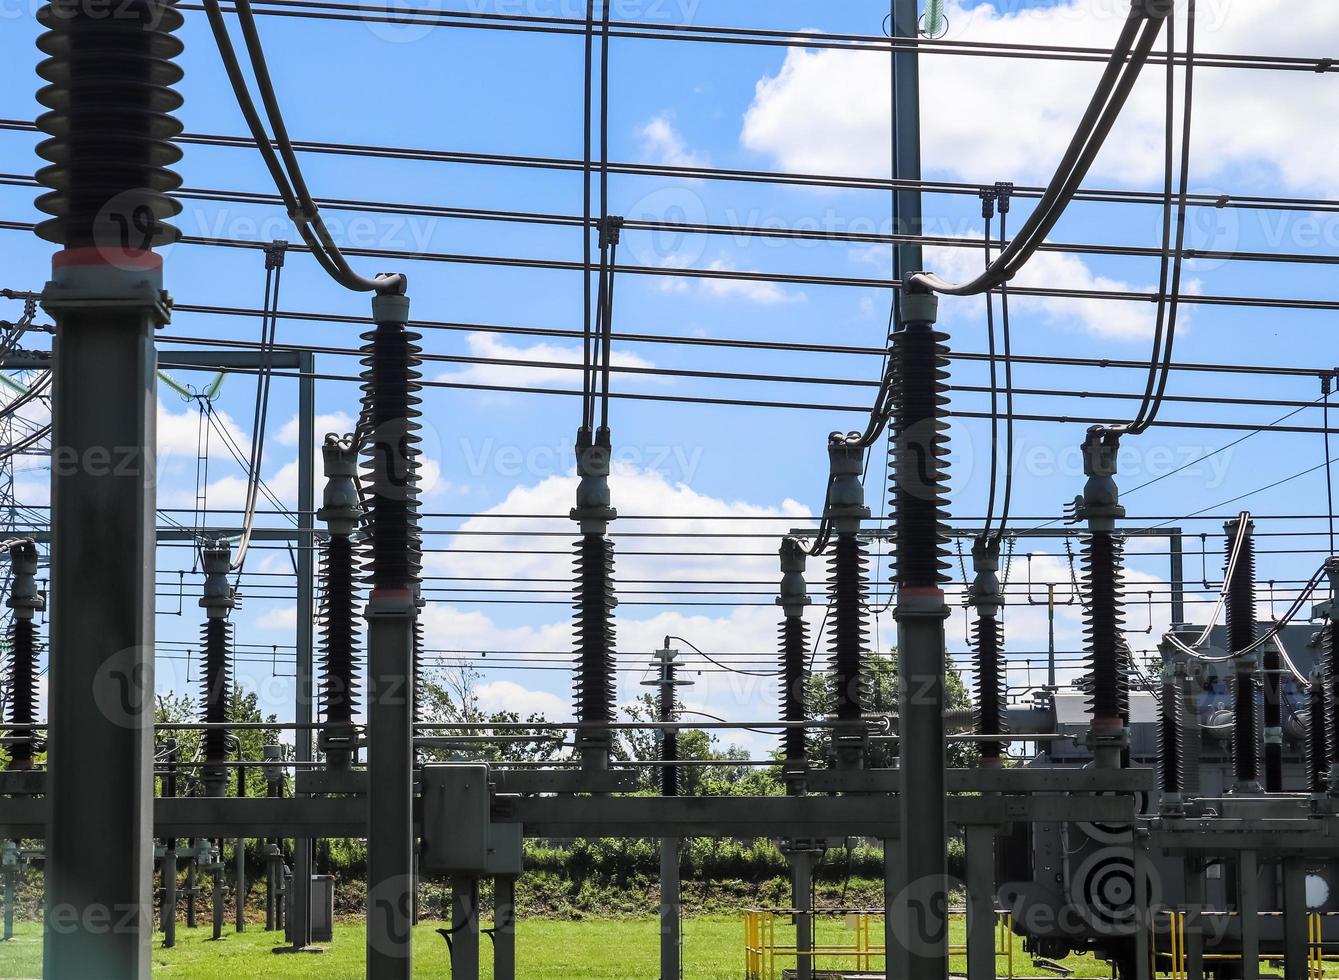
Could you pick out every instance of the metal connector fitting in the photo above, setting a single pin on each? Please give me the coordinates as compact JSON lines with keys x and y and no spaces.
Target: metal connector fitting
{"x":846,"y":496}
{"x":794,"y":593}
{"x":1099,"y":504}
{"x":24,"y":596}
{"x":593,"y":510}
{"x":985,"y":595}
{"x":341,"y":508}
{"x":218,"y":598}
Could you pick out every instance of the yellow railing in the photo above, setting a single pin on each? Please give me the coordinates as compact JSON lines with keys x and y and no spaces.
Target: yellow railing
{"x":1178,"y":969}
{"x":762,"y":949}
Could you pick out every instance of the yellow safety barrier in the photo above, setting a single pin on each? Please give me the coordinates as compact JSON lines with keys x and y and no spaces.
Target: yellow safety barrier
{"x":762,"y":950}
{"x":1178,"y":969}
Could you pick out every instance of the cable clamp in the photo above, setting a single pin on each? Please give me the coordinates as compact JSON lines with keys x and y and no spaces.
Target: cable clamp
{"x":1004,"y":189}
{"x":611,"y":228}
{"x":274,"y":254}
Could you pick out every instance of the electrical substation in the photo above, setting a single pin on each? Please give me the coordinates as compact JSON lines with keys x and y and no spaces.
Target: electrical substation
{"x":1166,"y":816}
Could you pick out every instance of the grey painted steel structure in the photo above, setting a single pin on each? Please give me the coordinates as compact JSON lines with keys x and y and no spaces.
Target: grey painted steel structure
{"x":100,"y":736}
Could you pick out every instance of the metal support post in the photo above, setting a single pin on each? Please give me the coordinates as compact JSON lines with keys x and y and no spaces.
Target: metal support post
{"x":169,"y":909}
{"x":240,"y":903}
{"x":101,"y":665}
{"x":1143,"y":916}
{"x":670,"y":909}
{"x":300,"y":918}
{"x":801,"y":858}
{"x":895,"y":959}
{"x":920,"y":912}
{"x":11,"y":879}
{"x":1295,"y":918}
{"x":108,"y":202}
{"x":504,"y":928}
{"x":464,"y":928}
{"x":216,"y":893}
{"x":391,"y":613}
{"x":1248,"y":913}
{"x":980,"y":902}
{"x":1194,"y":923}
{"x":192,"y":887}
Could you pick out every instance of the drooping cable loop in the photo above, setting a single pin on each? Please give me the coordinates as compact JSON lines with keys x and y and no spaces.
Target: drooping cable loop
{"x":284,"y":168}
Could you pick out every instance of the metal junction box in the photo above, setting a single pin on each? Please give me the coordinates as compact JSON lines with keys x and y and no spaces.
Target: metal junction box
{"x":456,"y":817}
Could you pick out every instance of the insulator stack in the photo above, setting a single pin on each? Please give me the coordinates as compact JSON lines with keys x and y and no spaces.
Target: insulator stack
{"x":793,"y":635}
{"x":593,"y":598}
{"x":1192,"y":738}
{"x":1103,"y":579}
{"x":1318,"y":735}
{"x":669,"y":739}
{"x":109,"y":96}
{"x":986,"y":599}
{"x":593,"y":605}
{"x":391,"y":382}
{"x":1331,"y":686}
{"x":340,"y":635}
{"x":22,"y":691}
{"x":989,"y":712}
{"x":919,"y":457}
{"x":1241,"y":634}
{"x":25,"y":600}
{"x":1171,"y":761}
{"x":216,"y":684}
{"x":849,"y":631}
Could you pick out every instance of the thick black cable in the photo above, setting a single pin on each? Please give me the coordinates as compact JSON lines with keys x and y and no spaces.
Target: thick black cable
{"x":1003,"y":199}
{"x":1325,"y":381}
{"x":988,"y":213}
{"x":587,"y":378}
{"x":1174,"y":301}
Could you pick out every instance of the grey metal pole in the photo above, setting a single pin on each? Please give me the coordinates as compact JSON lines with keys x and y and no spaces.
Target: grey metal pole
{"x":670,"y":968}
{"x":1194,"y":910}
{"x":192,"y":887}
{"x":906,"y":96}
{"x":10,"y":876}
{"x":1248,"y":912}
{"x":1143,"y":954}
{"x":240,"y":903}
{"x":391,"y":612}
{"x":169,"y":911}
{"x":895,"y":960}
{"x":980,"y":902}
{"x":109,"y":184}
{"x":299,"y":922}
{"x":1295,"y":918}
{"x":464,"y":928}
{"x":104,"y":406}
{"x":1178,"y":575}
{"x":802,"y":900}
{"x":504,"y":928}
{"x":217,"y":893}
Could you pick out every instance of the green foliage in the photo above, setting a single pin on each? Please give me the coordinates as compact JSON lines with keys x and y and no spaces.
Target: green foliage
{"x":174,"y":709}
{"x":450,"y":697}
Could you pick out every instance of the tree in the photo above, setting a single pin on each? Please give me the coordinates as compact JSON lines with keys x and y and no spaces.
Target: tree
{"x":882,"y":694}
{"x":450,"y":698}
{"x":243,"y":707}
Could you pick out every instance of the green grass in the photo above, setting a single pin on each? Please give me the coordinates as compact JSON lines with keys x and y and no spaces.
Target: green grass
{"x":617,"y":949}
{"x":604,"y":949}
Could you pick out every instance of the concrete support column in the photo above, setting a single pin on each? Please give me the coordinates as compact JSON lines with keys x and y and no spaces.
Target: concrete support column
{"x":980,"y":902}
{"x":99,"y":908}
{"x":504,"y":928}
{"x":670,"y":909}
{"x":464,"y":928}
{"x":1143,"y":953}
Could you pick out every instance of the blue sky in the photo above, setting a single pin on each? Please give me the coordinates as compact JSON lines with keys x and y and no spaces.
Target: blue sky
{"x":756,"y":107}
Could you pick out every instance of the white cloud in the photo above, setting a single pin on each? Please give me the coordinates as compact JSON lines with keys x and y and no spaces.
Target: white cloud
{"x":1106,"y":318}
{"x":283,"y":619}
{"x":337,"y":422}
{"x":179,"y":434}
{"x":752,"y":290}
{"x":1001,"y":118}
{"x":487,"y":345}
{"x":509,"y":696}
{"x":662,"y":143}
